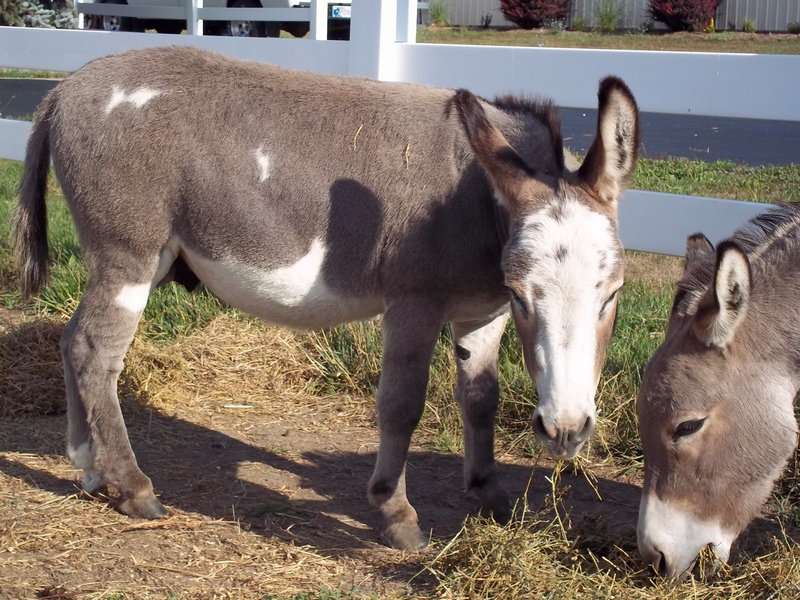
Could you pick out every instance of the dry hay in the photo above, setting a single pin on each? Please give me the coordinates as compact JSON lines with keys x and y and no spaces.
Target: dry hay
{"x":234,"y":361}
{"x":30,"y":366}
{"x":545,"y":555}
{"x":51,"y":543}
{"x":54,"y":546}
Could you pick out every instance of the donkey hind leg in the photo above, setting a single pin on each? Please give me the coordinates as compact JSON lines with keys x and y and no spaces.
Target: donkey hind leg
{"x":478,"y":395}
{"x":93,"y":347}
{"x":410,"y":332}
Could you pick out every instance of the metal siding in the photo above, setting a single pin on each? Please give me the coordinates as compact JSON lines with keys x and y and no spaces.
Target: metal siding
{"x":770,"y":15}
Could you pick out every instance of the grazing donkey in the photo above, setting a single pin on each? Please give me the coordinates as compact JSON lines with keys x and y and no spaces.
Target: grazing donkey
{"x":312,"y":200}
{"x":716,"y":403}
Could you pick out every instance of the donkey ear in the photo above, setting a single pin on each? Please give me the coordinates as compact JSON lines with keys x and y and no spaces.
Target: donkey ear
{"x":612,"y":158}
{"x":505,"y":168}
{"x":724,"y":307}
{"x":698,"y":249}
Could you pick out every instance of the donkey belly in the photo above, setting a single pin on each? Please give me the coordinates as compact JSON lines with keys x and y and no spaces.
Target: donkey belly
{"x":295,"y":295}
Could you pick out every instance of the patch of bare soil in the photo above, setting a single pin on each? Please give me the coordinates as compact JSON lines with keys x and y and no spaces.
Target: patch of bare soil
{"x":258,"y":505}
{"x":266,"y":497}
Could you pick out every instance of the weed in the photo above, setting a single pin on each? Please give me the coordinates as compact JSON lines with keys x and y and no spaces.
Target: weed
{"x":578,"y":25}
{"x":748,"y":25}
{"x":609,"y":14}
{"x":437,"y":9}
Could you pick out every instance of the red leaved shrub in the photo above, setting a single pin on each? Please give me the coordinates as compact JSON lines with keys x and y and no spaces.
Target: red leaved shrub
{"x":684,"y":15}
{"x":528,"y":14}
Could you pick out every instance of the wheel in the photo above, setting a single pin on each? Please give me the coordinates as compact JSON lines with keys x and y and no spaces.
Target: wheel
{"x":114,"y":23}
{"x":245,"y":28}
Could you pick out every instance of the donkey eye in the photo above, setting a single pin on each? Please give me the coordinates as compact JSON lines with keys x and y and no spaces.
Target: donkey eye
{"x":688,"y":428}
{"x":608,"y":301}
{"x":519,"y":302}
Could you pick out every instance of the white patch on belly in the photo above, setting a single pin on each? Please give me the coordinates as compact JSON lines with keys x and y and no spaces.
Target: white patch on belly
{"x":138,"y":98}
{"x":295,"y":295}
{"x":263,"y":163}
{"x":134,"y":297}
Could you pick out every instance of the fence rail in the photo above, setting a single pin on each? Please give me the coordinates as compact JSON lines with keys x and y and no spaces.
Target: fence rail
{"x":680,"y":83}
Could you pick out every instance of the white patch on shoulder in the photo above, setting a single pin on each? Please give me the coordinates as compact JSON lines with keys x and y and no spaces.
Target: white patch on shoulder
{"x":137,"y":98}
{"x":262,"y":158}
{"x":134,"y":297}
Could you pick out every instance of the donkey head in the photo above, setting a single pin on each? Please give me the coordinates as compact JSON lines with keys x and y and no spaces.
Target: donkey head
{"x":563,"y":262}
{"x":715,"y":415}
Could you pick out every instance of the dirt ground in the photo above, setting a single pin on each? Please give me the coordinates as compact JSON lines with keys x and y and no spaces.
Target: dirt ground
{"x":265,"y":498}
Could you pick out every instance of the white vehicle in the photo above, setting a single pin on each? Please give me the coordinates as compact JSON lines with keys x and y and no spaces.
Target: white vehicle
{"x":338,"y":18}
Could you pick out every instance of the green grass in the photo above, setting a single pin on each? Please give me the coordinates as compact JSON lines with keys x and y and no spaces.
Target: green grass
{"x":721,"y":179}
{"x":349,"y":356}
{"x":30,"y":74}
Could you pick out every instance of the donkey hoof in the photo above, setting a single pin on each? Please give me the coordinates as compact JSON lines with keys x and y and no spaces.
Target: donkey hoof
{"x":143,"y":507}
{"x":494,"y":503}
{"x":405,"y":536}
{"x":92,"y":482}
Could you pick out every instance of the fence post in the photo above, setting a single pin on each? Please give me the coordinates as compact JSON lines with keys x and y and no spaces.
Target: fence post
{"x":194,"y":26}
{"x":407,"y":21}
{"x":373,"y":29}
{"x":319,"y":19}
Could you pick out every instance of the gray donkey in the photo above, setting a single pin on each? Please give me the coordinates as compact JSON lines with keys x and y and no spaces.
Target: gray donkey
{"x":312,"y":200}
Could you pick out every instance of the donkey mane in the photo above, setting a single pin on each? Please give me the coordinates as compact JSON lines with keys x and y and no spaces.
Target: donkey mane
{"x":542,"y":109}
{"x":769,"y":240}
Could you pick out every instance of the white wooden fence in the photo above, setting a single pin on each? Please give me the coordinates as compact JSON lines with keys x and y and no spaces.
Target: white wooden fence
{"x":733,"y":85}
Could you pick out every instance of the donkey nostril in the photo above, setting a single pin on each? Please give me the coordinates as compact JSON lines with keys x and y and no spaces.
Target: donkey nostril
{"x":539,"y":428}
{"x":582,"y":435}
{"x":660,"y":565}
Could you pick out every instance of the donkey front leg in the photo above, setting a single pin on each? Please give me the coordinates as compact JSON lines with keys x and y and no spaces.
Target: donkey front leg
{"x":93,"y":347}
{"x":410,"y":332}
{"x":478,"y":395}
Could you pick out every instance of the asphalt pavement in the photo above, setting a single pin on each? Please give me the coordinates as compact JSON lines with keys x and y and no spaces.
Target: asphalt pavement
{"x":743,"y":141}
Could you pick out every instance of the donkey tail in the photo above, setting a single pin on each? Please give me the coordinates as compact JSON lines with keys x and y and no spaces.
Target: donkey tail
{"x":31,"y":251}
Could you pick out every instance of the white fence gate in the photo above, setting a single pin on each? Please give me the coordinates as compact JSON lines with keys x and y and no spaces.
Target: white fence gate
{"x":732,"y":85}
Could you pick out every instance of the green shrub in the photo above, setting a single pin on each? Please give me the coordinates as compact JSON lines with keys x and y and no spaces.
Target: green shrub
{"x":793,"y":27}
{"x":437,"y":9}
{"x":684,"y":15}
{"x":608,"y":14}
{"x":578,"y":25}
{"x":748,"y":25}
{"x":529,"y":14}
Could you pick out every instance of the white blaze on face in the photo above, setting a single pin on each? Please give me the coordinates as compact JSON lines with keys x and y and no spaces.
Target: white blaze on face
{"x":572,"y":248}
{"x":678,"y":536}
{"x":262,"y":159}
{"x":137,"y":98}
